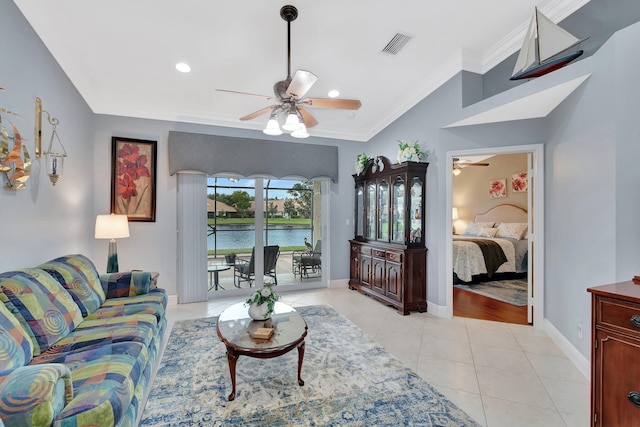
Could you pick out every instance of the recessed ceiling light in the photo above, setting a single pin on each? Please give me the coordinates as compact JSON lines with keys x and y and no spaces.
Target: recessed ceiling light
{"x":182,"y":67}
{"x":333,"y":93}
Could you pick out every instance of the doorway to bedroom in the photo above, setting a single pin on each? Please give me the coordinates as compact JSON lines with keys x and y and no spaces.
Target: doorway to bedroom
{"x":491,"y":249}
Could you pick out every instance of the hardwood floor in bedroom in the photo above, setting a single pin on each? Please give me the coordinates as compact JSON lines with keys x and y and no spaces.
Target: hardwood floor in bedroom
{"x":469,"y":304}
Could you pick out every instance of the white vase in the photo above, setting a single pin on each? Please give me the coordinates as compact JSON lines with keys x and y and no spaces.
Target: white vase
{"x":259,"y":311}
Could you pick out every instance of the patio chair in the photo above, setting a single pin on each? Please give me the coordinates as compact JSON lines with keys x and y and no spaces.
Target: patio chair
{"x":243,"y":270}
{"x":306,"y":262}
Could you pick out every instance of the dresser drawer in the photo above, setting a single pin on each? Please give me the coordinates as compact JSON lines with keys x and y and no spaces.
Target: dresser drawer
{"x":394,"y":256}
{"x":378,"y":253}
{"x":365,"y":250}
{"x":618,"y":314}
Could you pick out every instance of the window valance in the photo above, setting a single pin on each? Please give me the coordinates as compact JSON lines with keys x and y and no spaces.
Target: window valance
{"x":247,"y":157}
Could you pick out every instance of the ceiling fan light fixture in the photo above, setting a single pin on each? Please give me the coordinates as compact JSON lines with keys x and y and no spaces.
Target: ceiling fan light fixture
{"x":292,"y":123}
{"x":333,"y":93}
{"x":301,"y":132}
{"x":456,"y":170}
{"x":272,"y":128}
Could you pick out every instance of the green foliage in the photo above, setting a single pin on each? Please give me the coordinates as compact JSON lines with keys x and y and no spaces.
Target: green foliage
{"x":241,"y":201}
{"x":302,"y":194}
{"x":265,"y":295}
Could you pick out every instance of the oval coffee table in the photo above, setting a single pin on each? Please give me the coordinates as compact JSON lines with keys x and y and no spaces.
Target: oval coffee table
{"x":235,"y":329}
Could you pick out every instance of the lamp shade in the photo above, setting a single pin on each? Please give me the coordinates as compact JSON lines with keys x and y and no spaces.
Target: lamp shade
{"x":454,"y":213}
{"x":292,"y":122}
{"x":112,"y":226}
{"x":273,"y":128}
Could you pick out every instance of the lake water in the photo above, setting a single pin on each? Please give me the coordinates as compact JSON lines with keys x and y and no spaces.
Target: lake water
{"x":243,"y":236}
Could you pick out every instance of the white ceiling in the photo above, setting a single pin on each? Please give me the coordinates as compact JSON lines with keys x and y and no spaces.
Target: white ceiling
{"x":120,"y":54}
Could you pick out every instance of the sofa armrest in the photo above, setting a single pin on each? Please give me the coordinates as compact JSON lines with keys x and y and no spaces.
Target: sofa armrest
{"x":126,"y":283}
{"x":34,"y":395}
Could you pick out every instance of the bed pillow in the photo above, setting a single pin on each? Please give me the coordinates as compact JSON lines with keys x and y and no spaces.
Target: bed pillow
{"x":512,"y":230}
{"x":487,"y":232}
{"x":474,"y":228}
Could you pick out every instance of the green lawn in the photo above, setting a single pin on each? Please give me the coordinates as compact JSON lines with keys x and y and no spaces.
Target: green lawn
{"x":278,"y":221}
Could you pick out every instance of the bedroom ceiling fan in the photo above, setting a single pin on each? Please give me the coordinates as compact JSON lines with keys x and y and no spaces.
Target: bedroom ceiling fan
{"x":458,"y":164}
{"x":289,"y":94}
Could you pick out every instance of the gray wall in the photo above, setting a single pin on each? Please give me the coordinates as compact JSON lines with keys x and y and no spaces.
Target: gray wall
{"x":42,"y":221}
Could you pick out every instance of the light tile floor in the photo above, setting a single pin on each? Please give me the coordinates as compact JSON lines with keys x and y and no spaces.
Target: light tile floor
{"x":500,"y":374}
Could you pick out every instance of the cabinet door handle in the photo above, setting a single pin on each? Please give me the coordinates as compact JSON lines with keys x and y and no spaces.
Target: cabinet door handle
{"x":634,"y":397}
{"x":635,"y":320}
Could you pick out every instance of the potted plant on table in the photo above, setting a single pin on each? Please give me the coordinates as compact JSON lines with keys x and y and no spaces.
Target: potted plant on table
{"x":230,"y":258}
{"x":261,"y":303}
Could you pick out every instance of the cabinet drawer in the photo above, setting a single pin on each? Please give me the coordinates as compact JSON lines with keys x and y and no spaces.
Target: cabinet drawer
{"x":619,"y":314}
{"x":377,"y":253}
{"x":365,"y":250}
{"x":394,"y":256}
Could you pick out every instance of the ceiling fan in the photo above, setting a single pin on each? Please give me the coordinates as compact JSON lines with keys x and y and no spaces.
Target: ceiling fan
{"x":289,"y":94}
{"x":458,"y":164}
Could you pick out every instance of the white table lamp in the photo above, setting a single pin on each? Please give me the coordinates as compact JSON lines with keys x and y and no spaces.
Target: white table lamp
{"x":454,"y":216}
{"x":112,"y":227}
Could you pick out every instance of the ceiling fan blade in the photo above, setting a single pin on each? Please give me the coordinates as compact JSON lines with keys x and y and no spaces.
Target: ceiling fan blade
{"x":245,"y":93}
{"x":342,"y":104}
{"x":309,"y":120}
{"x":258,"y":113}
{"x":301,"y":83}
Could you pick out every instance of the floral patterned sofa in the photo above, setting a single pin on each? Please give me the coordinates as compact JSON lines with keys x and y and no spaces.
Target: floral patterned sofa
{"x":77,"y":348}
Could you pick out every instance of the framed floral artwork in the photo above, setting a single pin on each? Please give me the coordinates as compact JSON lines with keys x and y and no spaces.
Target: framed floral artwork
{"x":133,"y":178}
{"x":519,"y":182}
{"x":497,"y":188}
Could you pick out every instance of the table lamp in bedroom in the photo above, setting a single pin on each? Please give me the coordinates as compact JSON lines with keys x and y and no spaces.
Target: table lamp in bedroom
{"x":454,"y":216}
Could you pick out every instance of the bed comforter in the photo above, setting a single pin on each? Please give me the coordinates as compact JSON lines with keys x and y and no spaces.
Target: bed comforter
{"x":468,"y":260}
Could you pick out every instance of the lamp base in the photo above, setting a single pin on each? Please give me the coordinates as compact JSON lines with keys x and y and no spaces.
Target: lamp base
{"x":112,"y":259}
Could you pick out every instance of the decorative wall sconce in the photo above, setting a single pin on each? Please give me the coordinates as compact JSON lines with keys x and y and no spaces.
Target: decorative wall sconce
{"x":54,"y":159}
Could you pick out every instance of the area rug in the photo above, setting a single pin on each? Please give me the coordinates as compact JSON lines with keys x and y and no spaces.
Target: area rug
{"x":349,"y":381}
{"x":512,"y":292}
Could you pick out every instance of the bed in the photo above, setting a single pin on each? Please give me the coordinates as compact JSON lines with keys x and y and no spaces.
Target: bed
{"x":493,"y":247}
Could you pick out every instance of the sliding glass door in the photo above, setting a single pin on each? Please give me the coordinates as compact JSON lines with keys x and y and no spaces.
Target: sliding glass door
{"x":273,"y":226}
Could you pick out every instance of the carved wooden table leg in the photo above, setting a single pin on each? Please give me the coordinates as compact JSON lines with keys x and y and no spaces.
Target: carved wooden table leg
{"x":232,"y":357}
{"x":300,"y":357}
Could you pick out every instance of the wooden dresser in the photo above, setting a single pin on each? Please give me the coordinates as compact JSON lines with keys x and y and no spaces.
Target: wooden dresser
{"x":615,"y":355}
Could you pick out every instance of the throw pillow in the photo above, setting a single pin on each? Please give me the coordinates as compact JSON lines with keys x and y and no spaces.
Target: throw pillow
{"x":474,"y":228}
{"x":512,"y":230}
{"x":487,"y":232}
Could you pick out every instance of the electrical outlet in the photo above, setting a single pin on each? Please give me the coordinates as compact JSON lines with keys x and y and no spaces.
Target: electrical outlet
{"x":579,"y":328}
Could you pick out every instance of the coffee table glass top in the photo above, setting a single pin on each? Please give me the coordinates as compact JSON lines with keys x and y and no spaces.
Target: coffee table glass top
{"x":235,"y":327}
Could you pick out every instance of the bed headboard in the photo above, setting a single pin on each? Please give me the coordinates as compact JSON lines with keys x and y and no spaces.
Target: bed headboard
{"x":503,"y":213}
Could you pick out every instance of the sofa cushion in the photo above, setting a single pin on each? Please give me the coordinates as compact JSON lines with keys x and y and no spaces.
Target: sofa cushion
{"x":79,"y":276}
{"x":16,"y":347}
{"x":45,"y":307}
{"x":104,"y":382}
{"x":154,"y":303}
{"x":140,"y":328}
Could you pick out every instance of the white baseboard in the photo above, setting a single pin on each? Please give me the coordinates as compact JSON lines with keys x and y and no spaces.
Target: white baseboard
{"x":339,"y":284}
{"x":436,"y":310}
{"x":572,"y":353}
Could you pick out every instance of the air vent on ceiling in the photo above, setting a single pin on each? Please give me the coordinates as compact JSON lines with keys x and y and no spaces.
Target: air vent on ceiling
{"x":396,"y":44}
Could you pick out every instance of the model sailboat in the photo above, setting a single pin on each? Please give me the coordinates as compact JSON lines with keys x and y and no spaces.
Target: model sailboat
{"x":545,"y":49}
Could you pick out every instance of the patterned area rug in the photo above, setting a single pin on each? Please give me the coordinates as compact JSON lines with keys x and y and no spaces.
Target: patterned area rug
{"x":349,"y":381}
{"x":512,"y":292}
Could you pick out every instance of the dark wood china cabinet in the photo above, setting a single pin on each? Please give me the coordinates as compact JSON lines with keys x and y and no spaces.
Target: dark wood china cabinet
{"x":388,"y":255}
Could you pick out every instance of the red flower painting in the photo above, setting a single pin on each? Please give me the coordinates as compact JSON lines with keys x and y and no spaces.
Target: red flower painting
{"x":497,"y":188}
{"x":519,"y":182}
{"x":133,"y":184}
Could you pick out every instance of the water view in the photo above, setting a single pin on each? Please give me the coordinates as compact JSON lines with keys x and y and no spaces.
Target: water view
{"x":242,"y":237}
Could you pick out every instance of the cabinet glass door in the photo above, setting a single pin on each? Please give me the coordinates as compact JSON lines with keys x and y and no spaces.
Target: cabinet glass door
{"x":371,"y":211}
{"x":398,"y":206}
{"x":383,"y":212}
{"x":359,"y":210}
{"x":415,"y":213}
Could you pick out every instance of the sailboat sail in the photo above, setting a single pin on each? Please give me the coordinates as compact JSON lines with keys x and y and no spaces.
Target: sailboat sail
{"x":543,"y":42}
